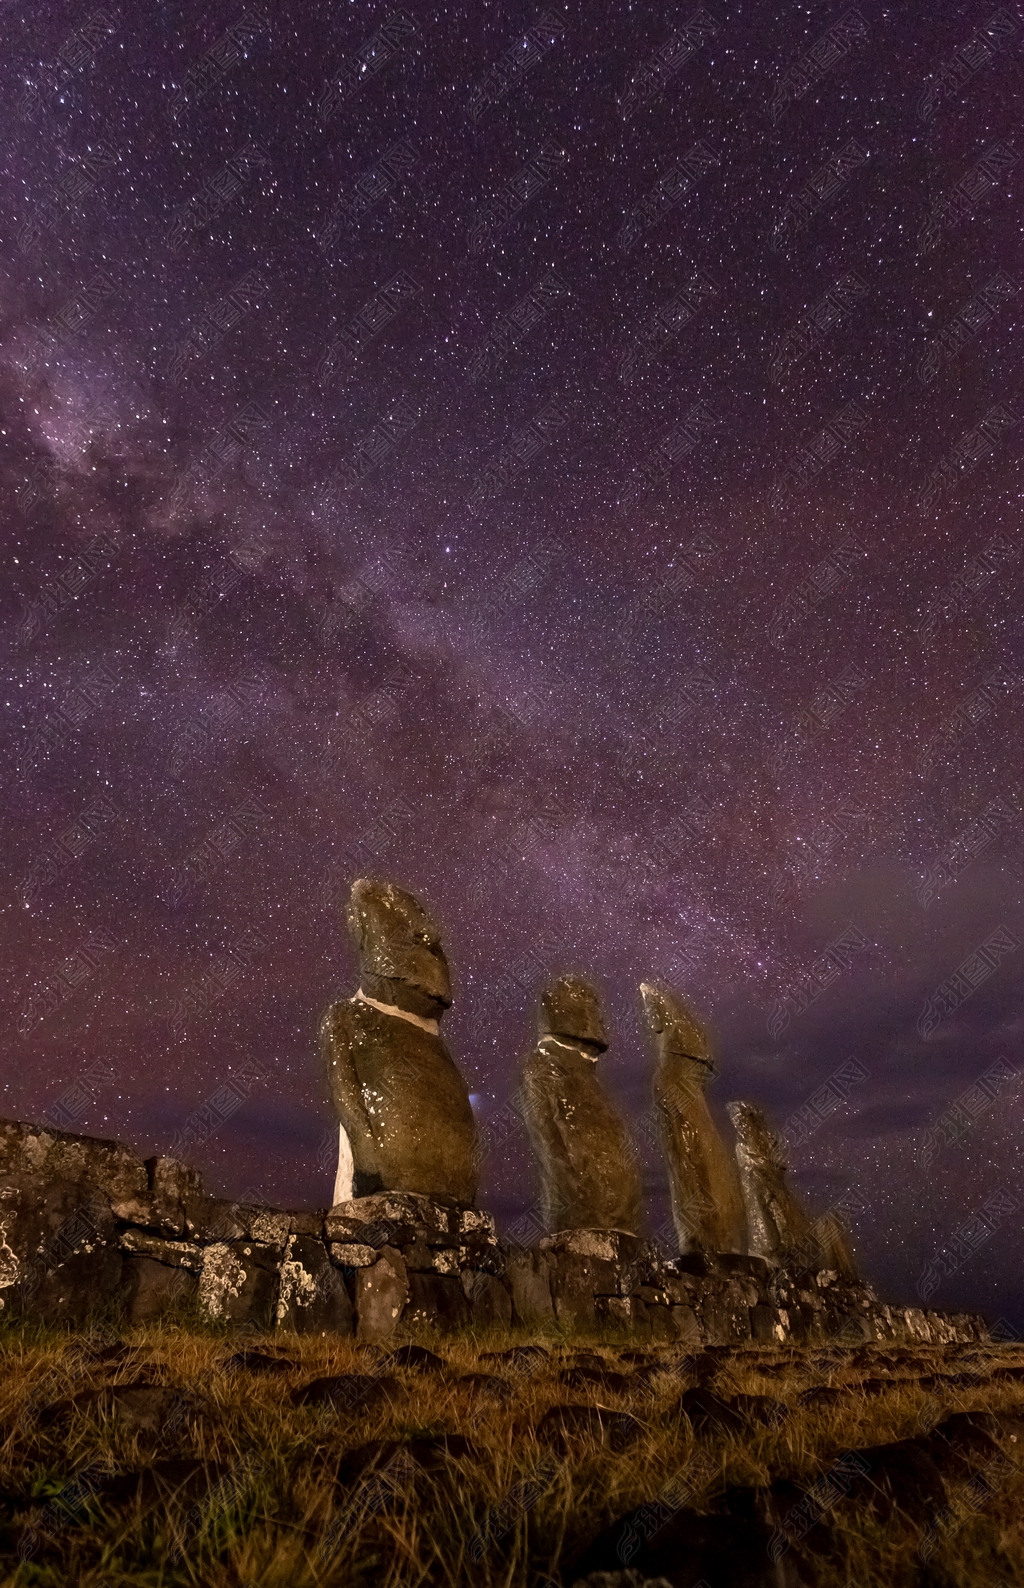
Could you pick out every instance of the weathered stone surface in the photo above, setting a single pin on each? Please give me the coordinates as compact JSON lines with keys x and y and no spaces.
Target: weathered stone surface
{"x":78,"y":1160}
{"x":475,"y":1226}
{"x":160,"y":1275}
{"x":731,"y":1549}
{"x":564,"y":1427}
{"x":479,"y":1246}
{"x":436,"y":1301}
{"x":141,"y":1406}
{"x":681,"y":1289}
{"x":709,"y":1412}
{"x":901,"y":1476}
{"x":348,"y":1256}
{"x":520,"y":1359}
{"x":528,"y":1277}
{"x":576,"y":1282}
{"x":152,"y":1289}
{"x":624,"y":1315}
{"x":63,"y":1256}
{"x":967,"y":1429}
{"x":778,"y":1227}
{"x":348,"y":1392}
{"x":59,"y":1256}
{"x":381,"y":1295}
{"x":722,"y":1324}
{"x":697,"y":1265}
{"x":685,"y":1326}
{"x":174,"y":1254}
{"x":395,"y":1219}
{"x":588,"y":1170}
{"x":483,"y":1386}
{"x":421,"y":1258}
{"x":600,"y":1377}
{"x":766,"y":1326}
{"x":739,"y":1293}
{"x":426,"y":1453}
{"x":403,"y":1106}
{"x":226,"y":1220}
{"x":173,"y":1187}
{"x":570,"y":1007}
{"x":489,"y":1301}
{"x":312,"y":1298}
{"x":707,"y":1202}
{"x":490,"y":1259}
{"x":660,"y":1322}
{"x":250,"y":1361}
{"x":238,"y":1283}
{"x":416,"y":1357}
{"x":418,"y":1256}
{"x":303,"y":1223}
{"x":611,"y":1246}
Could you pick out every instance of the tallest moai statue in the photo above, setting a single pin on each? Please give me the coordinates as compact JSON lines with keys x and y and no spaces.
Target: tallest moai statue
{"x":406,"y":1122}
{"x":707,"y":1202}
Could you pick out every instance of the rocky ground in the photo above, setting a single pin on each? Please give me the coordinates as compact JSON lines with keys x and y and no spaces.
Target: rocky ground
{"x":170,"y":1457}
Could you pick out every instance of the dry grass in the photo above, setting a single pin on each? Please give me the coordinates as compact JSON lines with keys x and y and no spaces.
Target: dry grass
{"x":276,"y":1504}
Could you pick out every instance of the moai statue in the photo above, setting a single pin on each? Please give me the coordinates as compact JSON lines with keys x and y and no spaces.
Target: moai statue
{"x":779,"y":1227}
{"x":707,"y":1202}
{"x":589,"y":1174}
{"x":406,"y":1123}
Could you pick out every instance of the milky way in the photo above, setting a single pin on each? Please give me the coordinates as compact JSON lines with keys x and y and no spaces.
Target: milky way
{"x":566,"y":461}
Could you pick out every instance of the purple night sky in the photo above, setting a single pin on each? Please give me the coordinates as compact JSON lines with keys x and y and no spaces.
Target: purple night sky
{"x":568,"y":462}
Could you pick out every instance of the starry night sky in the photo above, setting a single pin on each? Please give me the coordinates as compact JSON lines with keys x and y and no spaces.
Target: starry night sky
{"x":566,"y":461}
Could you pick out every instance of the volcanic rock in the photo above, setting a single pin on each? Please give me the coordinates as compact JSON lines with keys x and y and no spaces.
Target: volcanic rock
{"x":778,"y":1227}
{"x":381,"y":1294}
{"x":438,"y":1302}
{"x":406,"y":1122}
{"x":486,"y":1384}
{"x":603,"y":1377}
{"x":428,"y":1452}
{"x":247,"y":1361}
{"x":707,"y":1201}
{"x":161,"y":1483}
{"x":566,"y":1426}
{"x":733,"y":1548}
{"x":347,"y":1392}
{"x":59,"y":1256}
{"x":239,"y":1283}
{"x":312,"y":1298}
{"x":588,"y":1170}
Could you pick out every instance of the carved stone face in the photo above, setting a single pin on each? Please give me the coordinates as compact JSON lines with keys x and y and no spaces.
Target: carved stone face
{"x":755,"y":1136}
{"x":401,"y":960}
{"x":571,"y":1008}
{"x":676,"y":1028}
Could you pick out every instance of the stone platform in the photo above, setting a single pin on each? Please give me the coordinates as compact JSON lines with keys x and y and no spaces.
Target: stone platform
{"x":87,"y":1227}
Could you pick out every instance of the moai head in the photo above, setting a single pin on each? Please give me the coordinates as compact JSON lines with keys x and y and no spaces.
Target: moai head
{"x":570,"y":1008}
{"x":401,"y":960}
{"x":755,"y":1139}
{"x":678,"y":1034}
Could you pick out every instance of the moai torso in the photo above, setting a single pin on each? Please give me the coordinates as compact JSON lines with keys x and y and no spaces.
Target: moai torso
{"x":707,"y":1202}
{"x":834,"y":1245}
{"x":776,"y":1222}
{"x":406,"y":1121}
{"x":779,"y":1227}
{"x":589,"y":1176}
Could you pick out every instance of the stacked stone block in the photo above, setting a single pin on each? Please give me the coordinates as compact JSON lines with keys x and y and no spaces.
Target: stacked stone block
{"x":87,"y":1227}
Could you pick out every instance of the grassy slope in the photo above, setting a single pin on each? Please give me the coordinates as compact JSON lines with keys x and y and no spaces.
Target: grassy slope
{"x":280,"y":1516}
